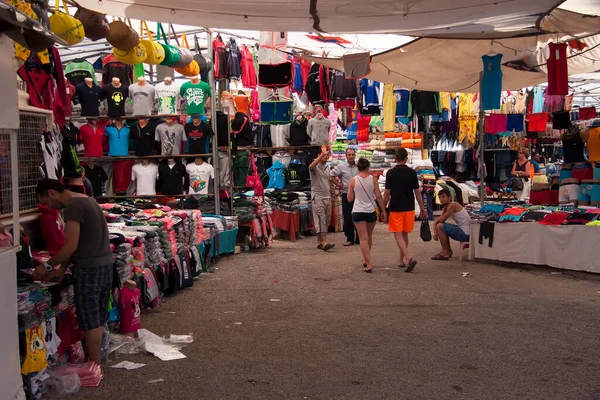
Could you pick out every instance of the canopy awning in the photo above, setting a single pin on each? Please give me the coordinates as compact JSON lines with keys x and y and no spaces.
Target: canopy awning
{"x":415,"y":18}
{"x":454,"y":65}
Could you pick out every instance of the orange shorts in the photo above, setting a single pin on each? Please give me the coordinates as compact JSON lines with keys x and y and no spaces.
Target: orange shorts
{"x":401,"y":221}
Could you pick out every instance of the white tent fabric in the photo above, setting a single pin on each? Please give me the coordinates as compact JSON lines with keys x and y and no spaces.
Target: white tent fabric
{"x":416,"y":18}
{"x":453,"y":65}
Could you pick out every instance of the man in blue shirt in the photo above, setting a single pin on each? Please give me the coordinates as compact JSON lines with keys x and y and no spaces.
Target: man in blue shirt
{"x":345,"y":172}
{"x":535,"y":161}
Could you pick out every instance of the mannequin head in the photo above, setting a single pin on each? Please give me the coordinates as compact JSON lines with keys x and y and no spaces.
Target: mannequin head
{"x":195,"y":79}
{"x":145,"y":162}
{"x":89,"y":82}
{"x":143,"y":121}
{"x":118,"y":122}
{"x":116,"y":82}
{"x":168,"y":80}
{"x":196,"y":120}
{"x":170,"y":161}
{"x":170,"y":120}
{"x":198,"y":160}
{"x":141,"y":81}
{"x":319,"y":112}
{"x":92,"y":121}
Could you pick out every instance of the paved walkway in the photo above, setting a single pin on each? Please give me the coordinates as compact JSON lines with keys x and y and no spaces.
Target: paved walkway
{"x":338,"y":333}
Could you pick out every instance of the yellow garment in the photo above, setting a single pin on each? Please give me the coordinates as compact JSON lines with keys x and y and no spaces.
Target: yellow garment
{"x":389,"y":108}
{"x":23,"y":53}
{"x":35,"y":357}
{"x":467,"y":128}
{"x":466,"y":105}
{"x":445,"y":96}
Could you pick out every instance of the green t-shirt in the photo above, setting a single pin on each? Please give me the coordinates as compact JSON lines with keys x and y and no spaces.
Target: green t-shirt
{"x":195,"y":95}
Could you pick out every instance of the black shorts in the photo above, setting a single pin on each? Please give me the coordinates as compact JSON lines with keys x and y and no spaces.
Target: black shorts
{"x":275,"y":76}
{"x":364,"y":217}
{"x":92,"y":291}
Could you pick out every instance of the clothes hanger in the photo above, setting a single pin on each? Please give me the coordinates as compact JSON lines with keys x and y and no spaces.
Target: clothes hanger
{"x":276,"y":96}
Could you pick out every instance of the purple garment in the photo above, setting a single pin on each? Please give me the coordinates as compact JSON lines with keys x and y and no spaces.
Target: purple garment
{"x":452,"y":125}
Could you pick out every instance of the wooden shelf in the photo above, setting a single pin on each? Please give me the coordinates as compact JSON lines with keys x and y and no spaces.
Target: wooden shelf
{"x":134,"y":157}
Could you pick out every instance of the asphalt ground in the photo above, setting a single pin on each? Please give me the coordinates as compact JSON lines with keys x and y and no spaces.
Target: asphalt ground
{"x":293,"y":322}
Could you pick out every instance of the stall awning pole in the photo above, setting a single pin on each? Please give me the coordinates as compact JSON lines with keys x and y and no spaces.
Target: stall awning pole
{"x":481,"y":143}
{"x":213,"y":122}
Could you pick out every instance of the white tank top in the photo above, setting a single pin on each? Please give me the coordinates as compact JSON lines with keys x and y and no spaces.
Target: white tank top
{"x":463,"y":220}
{"x":364,"y":195}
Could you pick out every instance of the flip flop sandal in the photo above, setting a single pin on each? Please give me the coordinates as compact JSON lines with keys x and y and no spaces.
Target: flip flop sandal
{"x":320,"y":247}
{"x":368,"y":270}
{"x":348,"y":244}
{"x":411,"y":266}
{"x":440,"y":257}
{"x":328,"y":247}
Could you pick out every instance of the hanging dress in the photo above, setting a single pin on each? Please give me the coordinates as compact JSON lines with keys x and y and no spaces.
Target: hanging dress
{"x":558,"y":72}
{"x":248,"y":72}
{"x":491,"y":86}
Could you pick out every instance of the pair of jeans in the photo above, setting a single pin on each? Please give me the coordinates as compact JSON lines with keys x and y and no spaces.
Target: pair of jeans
{"x":349,"y":229}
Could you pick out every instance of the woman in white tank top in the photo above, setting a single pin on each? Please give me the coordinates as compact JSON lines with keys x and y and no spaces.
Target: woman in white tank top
{"x":364,"y":191}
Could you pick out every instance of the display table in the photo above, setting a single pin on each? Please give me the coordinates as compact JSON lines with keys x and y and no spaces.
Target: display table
{"x":573,"y":247}
{"x":290,"y":222}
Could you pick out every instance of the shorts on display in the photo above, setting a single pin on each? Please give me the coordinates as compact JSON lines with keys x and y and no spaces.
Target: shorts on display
{"x":276,"y":112}
{"x":582,"y":171}
{"x":515,"y":123}
{"x":538,"y":122}
{"x":275,"y":76}
{"x":566,"y":172}
{"x":597,"y":171}
{"x":586,"y":113}
{"x":589,"y":192}
{"x":498,"y":123}
{"x":568,"y":191}
{"x":561,"y":120}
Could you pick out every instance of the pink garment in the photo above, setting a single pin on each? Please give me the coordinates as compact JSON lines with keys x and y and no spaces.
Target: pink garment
{"x":254,"y":106}
{"x":247,"y":66}
{"x":498,"y":123}
{"x":52,"y":228}
{"x":130,"y":310}
{"x":554,"y":103}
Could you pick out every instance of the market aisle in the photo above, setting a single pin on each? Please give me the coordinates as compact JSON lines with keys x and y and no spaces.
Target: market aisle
{"x":338,"y":333}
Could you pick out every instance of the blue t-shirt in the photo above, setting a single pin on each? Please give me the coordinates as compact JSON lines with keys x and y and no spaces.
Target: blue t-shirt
{"x":491,"y":85}
{"x":118,"y":141}
{"x":369,"y":90}
{"x":402,"y":100}
{"x":536,"y":166}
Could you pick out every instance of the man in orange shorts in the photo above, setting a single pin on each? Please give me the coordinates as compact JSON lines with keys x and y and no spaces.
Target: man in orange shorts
{"x":401,"y":189}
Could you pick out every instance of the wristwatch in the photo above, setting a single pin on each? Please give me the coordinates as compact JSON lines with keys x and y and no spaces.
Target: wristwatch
{"x":48,"y":267}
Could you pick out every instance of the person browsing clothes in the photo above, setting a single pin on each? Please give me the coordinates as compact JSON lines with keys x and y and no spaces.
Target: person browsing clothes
{"x":444,"y":231}
{"x":87,"y":246}
{"x":346,"y":171}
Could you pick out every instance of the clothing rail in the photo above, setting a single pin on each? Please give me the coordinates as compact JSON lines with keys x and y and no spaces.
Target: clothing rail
{"x":127,"y":117}
{"x":134,"y":157}
{"x":178,"y":196}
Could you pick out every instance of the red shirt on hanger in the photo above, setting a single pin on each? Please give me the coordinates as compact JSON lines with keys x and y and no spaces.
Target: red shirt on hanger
{"x":93,"y":139}
{"x":558,"y":71}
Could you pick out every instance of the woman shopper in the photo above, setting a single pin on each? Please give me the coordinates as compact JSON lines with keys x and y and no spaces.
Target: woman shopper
{"x":522,"y":170}
{"x":364,"y":192}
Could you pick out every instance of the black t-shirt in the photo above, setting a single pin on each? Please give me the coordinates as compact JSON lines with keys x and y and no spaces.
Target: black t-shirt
{"x":89,"y":98}
{"x":97,"y":177}
{"x":197,"y":137}
{"x":115,"y":97}
{"x":402,"y":181}
{"x":424,"y":102}
{"x":116,"y":69}
{"x":144,"y":139}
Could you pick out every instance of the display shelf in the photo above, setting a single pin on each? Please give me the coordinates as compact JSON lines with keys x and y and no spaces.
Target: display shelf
{"x":133,"y":157}
{"x":250,"y":148}
{"x":134,"y":117}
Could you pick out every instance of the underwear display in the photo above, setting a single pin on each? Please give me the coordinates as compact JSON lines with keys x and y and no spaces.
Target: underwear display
{"x":569,"y":191}
{"x":538,"y":122}
{"x":515,"y":123}
{"x":275,"y":76}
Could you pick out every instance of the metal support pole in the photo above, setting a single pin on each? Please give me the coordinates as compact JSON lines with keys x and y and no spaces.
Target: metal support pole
{"x":14,"y":161}
{"x":481,"y":143}
{"x":213,"y":122}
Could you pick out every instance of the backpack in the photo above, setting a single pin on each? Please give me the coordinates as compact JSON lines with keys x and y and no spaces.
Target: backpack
{"x":276,"y":176}
{"x":162,"y":276}
{"x":240,"y":168}
{"x":261,"y":135}
{"x":263,"y":163}
{"x":151,"y":292}
{"x":187,"y":276}
{"x":194,"y":261}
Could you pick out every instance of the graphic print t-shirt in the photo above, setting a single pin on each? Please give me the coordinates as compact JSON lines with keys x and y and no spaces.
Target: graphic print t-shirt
{"x":115,"y":97}
{"x":197,"y":138}
{"x":167,"y":97}
{"x":195,"y":95}
{"x":170,"y":138}
{"x":200,"y":177}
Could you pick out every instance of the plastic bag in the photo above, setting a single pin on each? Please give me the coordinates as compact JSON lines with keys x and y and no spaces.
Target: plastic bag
{"x":425,"y":231}
{"x":89,"y":373}
{"x":60,"y":385}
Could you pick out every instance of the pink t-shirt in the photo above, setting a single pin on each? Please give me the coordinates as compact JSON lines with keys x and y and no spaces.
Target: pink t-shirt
{"x":130,"y":310}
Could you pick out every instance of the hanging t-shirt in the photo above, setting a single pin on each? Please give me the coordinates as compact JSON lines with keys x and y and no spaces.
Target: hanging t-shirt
{"x":170,"y":138}
{"x":558,"y":70}
{"x":93,"y":139}
{"x":118,"y":141}
{"x":402,"y":102}
{"x":97,"y":177}
{"x":167,"y":97}
{"x":50,"y":337}
{"x":144,"y":139}
{"x":35,"y":357}
{"x":89,"y":98}
{"x":195,"y":96}
{"x":538,"y":100}
{"x":425,"y":103}
{"x":491,"y":85}
{"x":145,"y":177}
{"x":113,"y":68}
{"x":200,"y":176}
{"x":115,"y":98}
{"x":143,"y":98}
{"x":79,"y":69}
{"x":197,"y":137}
{"x":370,"y":91}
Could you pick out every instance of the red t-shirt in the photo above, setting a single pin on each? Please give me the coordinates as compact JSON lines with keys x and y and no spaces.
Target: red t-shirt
{"x":92,"y":139}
